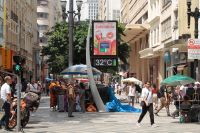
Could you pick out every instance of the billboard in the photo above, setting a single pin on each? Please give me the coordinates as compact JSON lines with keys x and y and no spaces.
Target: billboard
{"x":104,"y":38}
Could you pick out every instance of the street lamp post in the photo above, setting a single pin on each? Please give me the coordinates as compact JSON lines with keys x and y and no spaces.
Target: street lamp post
{"x":196,"y":15}
{"x":71,"y":14}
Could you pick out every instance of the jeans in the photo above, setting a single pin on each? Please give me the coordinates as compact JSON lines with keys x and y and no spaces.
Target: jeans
{"x":5,"y":118}
{"x":144,"y":111}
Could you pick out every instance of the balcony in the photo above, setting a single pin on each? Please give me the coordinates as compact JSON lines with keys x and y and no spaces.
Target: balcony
{"x":146,"y":53}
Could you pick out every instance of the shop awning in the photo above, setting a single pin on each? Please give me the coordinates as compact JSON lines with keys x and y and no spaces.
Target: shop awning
{"x":134,"y":31}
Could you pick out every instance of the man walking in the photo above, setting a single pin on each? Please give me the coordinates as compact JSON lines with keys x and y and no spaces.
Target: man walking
{"x":164,"y":99}
{"x":147,"y":100}
{"x":6,"y":97}
{"x":71,"y":99}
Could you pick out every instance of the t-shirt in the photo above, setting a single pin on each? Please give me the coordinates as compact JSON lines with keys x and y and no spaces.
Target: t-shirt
{"x":147,"y":93}
{"x":132,"y":90}
{"x":5,"y":89}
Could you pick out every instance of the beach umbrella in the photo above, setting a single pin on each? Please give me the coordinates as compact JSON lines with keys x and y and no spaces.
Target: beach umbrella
{"x":177,"y":79}
{"x":79,"y":70}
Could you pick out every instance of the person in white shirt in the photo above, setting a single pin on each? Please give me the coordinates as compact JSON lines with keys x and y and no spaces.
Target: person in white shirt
{"x":147,"y":105}
{"x":131,"y":93}
{"x":6,"y":97}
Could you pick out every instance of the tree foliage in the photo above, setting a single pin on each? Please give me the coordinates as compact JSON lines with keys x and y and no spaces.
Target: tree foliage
{"x":57,"y":48}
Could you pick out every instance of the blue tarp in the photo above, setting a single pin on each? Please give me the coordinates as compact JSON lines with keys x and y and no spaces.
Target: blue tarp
{"x":115,"y":105}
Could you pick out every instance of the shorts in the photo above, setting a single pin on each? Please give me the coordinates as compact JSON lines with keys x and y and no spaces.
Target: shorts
{"x":131,"y":98}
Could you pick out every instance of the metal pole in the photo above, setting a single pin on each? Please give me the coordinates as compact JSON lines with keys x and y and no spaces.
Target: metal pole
{"x":71,"y":26}
{"x":18,"y":103}
{"x":196,"y":17}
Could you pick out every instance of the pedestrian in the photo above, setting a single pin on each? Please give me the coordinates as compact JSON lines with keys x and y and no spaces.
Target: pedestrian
{"x":53,"y":98}
{"x":147,"y":100}
{"x":71,"y":98}
{"x":131,"y":93}
{"x":164,"y":99}
{"x":155,"y":97}
{"x":82,"y":97}
{"x":6,"y":97}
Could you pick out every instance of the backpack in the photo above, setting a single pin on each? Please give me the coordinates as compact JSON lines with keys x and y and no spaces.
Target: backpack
{"x":161,"y":92}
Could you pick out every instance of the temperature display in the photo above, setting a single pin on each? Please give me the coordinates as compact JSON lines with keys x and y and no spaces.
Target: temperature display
{"x":105,"y":62}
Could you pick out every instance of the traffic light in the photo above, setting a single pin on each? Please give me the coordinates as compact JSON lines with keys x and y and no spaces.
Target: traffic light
{"x":17,"y":68}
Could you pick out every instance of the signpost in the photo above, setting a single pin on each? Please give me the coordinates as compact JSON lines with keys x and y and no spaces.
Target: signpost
{"x":193,"y":48}
{"x":194,"y":53}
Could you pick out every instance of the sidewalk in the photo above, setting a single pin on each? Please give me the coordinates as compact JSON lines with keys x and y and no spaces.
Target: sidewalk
{"x":46,"y":121}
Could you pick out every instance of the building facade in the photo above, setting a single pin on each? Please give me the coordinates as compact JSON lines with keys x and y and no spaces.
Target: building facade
{"x":159,"y":48}
{"x":134,"y":15}
{"x":49,"y":12}
{"x":109,"y":9}
{"x":19,"y":34}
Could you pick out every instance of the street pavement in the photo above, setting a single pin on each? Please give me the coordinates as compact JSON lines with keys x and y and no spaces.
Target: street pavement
{"x":46,"y":121}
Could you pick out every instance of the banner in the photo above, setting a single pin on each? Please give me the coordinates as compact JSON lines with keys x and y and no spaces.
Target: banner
{"x":193,"y":48}
{"x":104,"y":38}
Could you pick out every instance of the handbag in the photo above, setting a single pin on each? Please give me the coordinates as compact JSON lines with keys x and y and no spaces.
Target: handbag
{"x":142,"y":103}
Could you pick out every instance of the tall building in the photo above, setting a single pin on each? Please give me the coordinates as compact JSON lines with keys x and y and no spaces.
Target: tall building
{"x":109,"y":9}
{"x":19,"y":33}
{"x":48,"y":13}
{"x":89,"y":9}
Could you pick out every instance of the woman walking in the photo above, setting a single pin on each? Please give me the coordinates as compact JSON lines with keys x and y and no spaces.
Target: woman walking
{"x":147,"y":105}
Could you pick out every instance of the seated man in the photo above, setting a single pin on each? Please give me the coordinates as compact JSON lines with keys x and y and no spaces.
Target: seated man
{"x":185,"y":105}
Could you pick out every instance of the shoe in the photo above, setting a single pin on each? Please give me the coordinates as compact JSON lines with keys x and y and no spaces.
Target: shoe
{"x":8,"y":129}
{"x":169,"y":115}
{"x":138,"y":124}
{"x":156,"y":114}
{"x":71,"y":116}
{"x":173,"y":116}
{"x":154,"y":125}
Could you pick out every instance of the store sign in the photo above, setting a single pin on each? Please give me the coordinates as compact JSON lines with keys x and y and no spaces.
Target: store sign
{"x":193,"y":48}
{"x":104,"y":38}
{"x":6,"y":55}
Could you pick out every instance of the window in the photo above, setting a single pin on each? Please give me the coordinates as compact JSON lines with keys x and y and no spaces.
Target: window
{"x":1,"y":30}
{"x":166,"y":29}
{"x":42,"y":2}
{"x":43,"y":27}
{"x":1,"y":3}
{"x":165,"y":2}
{"x":42,"y":15}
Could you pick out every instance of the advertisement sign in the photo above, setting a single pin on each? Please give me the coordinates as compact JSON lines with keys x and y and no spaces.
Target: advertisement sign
{"x":193,"y":48}
{"x":6,"y":58}
{"x":104,"y":38}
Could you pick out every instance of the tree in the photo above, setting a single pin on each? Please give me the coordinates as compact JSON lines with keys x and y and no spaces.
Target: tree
{"x":57,"y":47}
